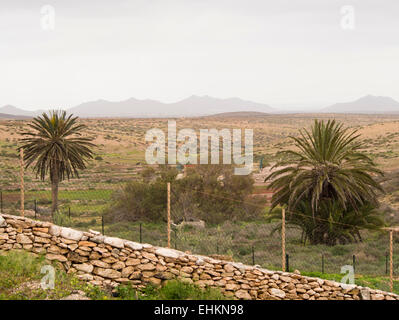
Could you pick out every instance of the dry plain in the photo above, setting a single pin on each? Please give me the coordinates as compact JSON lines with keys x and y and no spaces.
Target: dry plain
{"x":120,"y":156}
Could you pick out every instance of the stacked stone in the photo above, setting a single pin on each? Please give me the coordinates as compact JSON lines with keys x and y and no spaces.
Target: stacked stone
{"x":108,"y":261}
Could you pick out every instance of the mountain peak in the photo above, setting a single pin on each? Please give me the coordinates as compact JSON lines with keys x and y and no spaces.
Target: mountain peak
{"x":12,"y":110}
{"x":366,"y":104}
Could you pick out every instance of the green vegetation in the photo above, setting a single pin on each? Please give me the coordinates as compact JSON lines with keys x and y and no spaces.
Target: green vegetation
{"x":210,"y":192}
{"x":232,"y":234}
{"x":172,"y":290}
{"x":20,"y":275}
{"x":54,"y":146}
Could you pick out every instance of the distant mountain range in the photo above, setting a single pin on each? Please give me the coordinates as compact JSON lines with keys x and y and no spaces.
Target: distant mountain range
{"x":13,"y":116}
{"x":192,"y":106}
{"x":239,"y":114}
{"x":203,"y":106}
{"x":368,"y":104}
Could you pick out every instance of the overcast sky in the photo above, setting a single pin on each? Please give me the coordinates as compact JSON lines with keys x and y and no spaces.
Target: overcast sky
{"x":285,"y":52}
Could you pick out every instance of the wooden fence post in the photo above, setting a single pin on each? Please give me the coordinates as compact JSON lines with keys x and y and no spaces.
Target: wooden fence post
{"x":168,"y":214}
{"x":283,"y":239}
{"x":391,"y":260}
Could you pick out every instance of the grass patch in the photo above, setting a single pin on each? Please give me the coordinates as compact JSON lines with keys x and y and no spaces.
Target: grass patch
{"x":20,"y":275}
{"x":172,"y":290}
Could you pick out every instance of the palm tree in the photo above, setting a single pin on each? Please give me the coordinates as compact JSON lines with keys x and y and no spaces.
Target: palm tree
{"x":327,"y":166}
{"x":54,"y":146}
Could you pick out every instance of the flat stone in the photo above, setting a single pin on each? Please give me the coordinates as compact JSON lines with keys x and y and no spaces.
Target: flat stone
{"x":85,"y":277}
{"x":75,"y":257}
{"x":68,"y":241}
{"x":275,"y":277}
{"x":126,"y":272}
{"x":114,"y":242}
{"x":118,"y":265}
{"x":229,"y":268}
{"x":94,"y":232}
{"x":56,"y":250}
{"x":18,"y":224}
{"x":135,"y":275}
{"x":101,"y":250}
{"x":285,"y":279}
{"x":243,"y":294}
{"x":168,"y":253}
{"x":132,"y":262}
{"x":4,"y":236}
{"x":71,"y":234}
{"x":87,"y":244}
{"x":41,"y":234}
{"x":57,"y":257}
{"x":42,"y":240}
{"x":55,"y":230}
{"x":146,"y":267}
{"x":23,"y":239}
{"x":149,"y":256}
{"x":107,"y":273}
{"x":365,"y":294}
{"x":187,"y":270}
{"x":277,"y":292}
{"x":109,"y":259}
{"x":99,"y":263}
{"x":3,"y":222}
{"x":133,"y":245}
{"x":378,"y":296}
{"x":232,"y":286}
{"x":98,"y":238}
{"x":94,"y":255}
{"x":347,"y":286}
{"x":72,"y":246}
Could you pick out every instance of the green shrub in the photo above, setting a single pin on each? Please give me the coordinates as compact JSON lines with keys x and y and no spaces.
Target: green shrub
{"x":62,"y":219}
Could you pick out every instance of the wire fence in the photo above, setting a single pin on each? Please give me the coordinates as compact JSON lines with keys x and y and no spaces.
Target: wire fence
{"x":256,"y":242}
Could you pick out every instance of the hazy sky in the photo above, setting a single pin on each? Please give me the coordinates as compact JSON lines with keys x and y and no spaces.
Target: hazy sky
{"x":281,"y":52}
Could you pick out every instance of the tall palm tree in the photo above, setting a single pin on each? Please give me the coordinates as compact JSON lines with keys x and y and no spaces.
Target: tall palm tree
{"x":327,"y":166}
{"x":54,"y":146}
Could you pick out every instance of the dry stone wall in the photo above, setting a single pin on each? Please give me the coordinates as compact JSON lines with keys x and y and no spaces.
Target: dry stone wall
{"x":108,"y":261}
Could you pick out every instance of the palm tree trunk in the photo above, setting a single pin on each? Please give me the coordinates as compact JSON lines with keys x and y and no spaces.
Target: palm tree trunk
{"x":54,"y":198}
{"x":54,"y":192}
